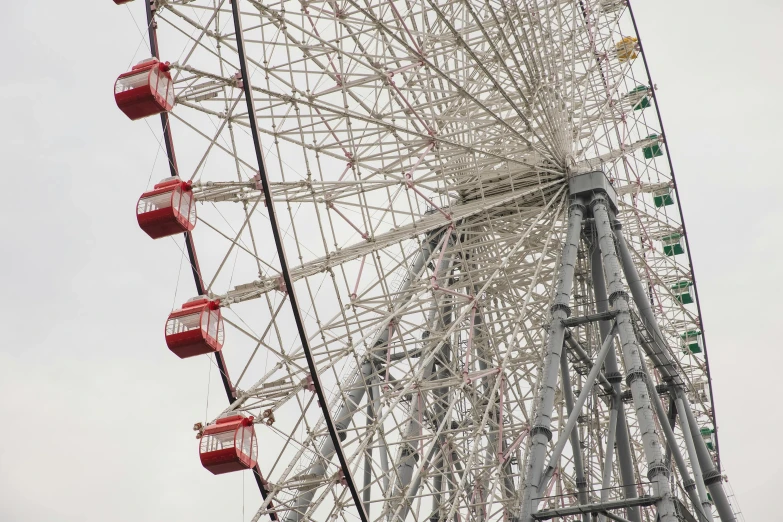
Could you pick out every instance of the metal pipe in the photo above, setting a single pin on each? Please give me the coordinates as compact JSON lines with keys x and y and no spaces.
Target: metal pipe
{"x":688,"y":436}
{"x":612,"y":516}
{"x":437,"y":488}
{"x":409,"y":455}
{"x":590,"y":318}
{"x":597,"y":507}
{"x":190,"y":247}
{"x":643,"y":303}
{"x":581,"y":354}
{"x":354,"y":397}
{"x":371,"y":416}
{"x":624,"y":455}
{"x":540,"y":433}
{"x":672,"y":449}
{"x":609,"y":456}
{"x":400,"y":513}
{"x":576,"y":445}
{"x":383,"y":450}
{"x":574,"y":416}
{"x":658,"y":474}
{"x":672,"y":416}
{"x":712,"y":477}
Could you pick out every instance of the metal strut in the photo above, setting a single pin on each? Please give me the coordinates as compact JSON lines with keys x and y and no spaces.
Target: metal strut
{"x":684,"y":232}
{"x":576,"y":443}
{"x":405,"y":484}
{"x":596,"y":508}
{"x":324,"y":404}
{"x":660,"y":355}
{"x":674,"y":450}
{"x":624,"y":454}
{"x":190,"y":246}
{"x":354,"y":397}
{"x":636,"y":378}
{"x":541,"y":433}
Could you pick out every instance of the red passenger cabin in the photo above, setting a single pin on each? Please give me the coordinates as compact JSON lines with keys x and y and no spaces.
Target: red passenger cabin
{"x":145,"y":90}
{"x":168,"y":209}
{"x":195,"y":329}
{"x":229,"y":445}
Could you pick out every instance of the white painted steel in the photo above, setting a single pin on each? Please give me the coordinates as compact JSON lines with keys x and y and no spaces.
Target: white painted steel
{"x":419,"y":153}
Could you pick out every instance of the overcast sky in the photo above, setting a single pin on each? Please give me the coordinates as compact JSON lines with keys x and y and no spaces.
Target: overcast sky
{"x":95,"y":412}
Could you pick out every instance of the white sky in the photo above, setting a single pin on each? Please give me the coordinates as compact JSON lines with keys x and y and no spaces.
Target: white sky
{"x":97,"y":414}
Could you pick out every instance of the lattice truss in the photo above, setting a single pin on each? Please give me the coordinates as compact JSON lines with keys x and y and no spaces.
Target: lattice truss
{"x":418,"y":153}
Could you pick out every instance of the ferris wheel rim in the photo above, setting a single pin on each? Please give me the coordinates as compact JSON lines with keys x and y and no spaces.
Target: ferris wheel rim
{"x":288,"y":287}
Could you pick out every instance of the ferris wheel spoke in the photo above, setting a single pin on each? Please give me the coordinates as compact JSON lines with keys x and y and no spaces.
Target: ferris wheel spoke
{"x":418,"y":154}
{"x":426,"y":224}
{"x":338,"y":416}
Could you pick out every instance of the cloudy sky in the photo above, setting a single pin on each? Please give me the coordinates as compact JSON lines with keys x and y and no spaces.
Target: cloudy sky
{"x":96,"y":413}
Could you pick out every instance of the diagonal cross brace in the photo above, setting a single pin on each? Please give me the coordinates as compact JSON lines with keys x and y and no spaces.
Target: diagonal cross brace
{"x":284,"y":268}
{"x":189,"y":244}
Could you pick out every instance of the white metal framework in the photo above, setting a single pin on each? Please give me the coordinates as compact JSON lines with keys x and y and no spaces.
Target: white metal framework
{"x":417,"y":154}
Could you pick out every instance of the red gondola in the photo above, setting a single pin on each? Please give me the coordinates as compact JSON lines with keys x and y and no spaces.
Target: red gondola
{"x":167,"y":210}
{"x":229,"y":445}
{"x":145,"y":90}
{"x":195,"y":329}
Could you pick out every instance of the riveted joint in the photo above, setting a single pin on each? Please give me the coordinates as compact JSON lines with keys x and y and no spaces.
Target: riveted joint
{"x":689,"y":484}
{"x":614,"y":377}
{"x":581,"y":484}
{"x":712,"y":477}
{"x":616,"y":295}
{"x":535,"y":430}
{"x":560,"y":306}
{"x":598,"y":199}
{"x":577,"y":205}
{"x":635,"y":375}
{"x":657,"y":468}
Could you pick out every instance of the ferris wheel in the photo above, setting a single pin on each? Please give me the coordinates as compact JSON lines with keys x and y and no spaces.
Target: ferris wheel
{"x":439,"y":259}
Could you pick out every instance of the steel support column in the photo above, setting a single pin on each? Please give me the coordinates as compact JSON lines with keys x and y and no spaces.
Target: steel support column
{"x":624,"y":455}
{"x":540,"y":432}
{"x":606,"y":347}
{"x":609,"y":455}
{"x":409,"y":455}
{"x":688,"y":436}
{"x":673,"y":449}
{"x":372,"y":415}
{"x":712,"y":478}
{"x":658,"y":474}
{"x":576,"y":444}
{"x":350,"y":405}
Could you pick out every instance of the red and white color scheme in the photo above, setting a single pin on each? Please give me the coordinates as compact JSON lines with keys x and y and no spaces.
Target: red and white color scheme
{"x":440,"y":191}
{"x":195,"y":329}
{"x":168,"y":209}
{"x":229,"y":445}
{"x":145,"y":90}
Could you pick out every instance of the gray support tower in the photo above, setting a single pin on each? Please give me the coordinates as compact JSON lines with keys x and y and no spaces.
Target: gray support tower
{"x":443,"y":263}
